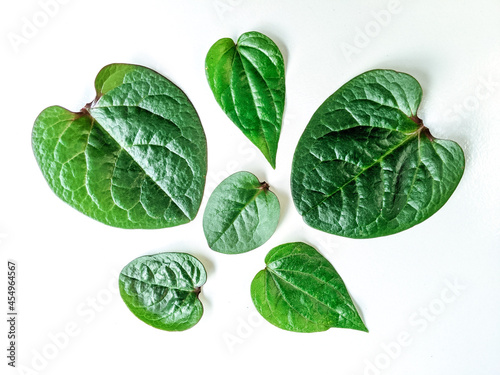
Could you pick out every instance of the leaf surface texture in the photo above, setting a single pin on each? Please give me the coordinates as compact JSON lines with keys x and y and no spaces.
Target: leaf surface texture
{"x":241,"y":214}
{"x":299,"y":290}
{"x":366,"y":166}
{"x":248,"y":81}
{"x":162,"y":290}
{"x":136,"y":157}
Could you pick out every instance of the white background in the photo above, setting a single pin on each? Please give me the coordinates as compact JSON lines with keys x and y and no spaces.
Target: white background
{"x":68,"y":264}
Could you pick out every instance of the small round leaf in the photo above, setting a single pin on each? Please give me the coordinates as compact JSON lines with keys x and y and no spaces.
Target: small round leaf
{"x":241,"y":214}
{"x":162,"y":290}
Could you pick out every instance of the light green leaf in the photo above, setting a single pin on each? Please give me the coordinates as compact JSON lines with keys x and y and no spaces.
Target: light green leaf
{"x":248,"y":82}
{"x":162,"y":290}
{"x":241,"y":214}
{"x":299,"y":290}
{"x":135,"y":157}
{"x":366,"y":166}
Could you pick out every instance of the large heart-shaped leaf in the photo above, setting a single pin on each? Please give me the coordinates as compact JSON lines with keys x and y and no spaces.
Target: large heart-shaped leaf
{"x":366,"y":166}
{"x":136,"y":157}
{"x":162,"y":290}
{"x":299,"y":290}
{"x":241,"y":214}
{"x":248,"y":82}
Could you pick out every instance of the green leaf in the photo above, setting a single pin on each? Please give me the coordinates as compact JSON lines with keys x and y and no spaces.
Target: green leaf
{"x":162,"y":290}
{"x":135,"y":157}
{"x":366,"y":166}
{"x":241,"y":214}
{"x":299,"y":290}
{"x":248,"y":82}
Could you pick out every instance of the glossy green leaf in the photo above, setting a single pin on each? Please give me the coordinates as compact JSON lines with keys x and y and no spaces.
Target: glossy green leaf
{"x":366,"y":166}
{"x":248,"y":82}
{"x":135,"y":157}
{"x":162,"y":290}
{"x":299,"y":290}
{"x":241,"y":214}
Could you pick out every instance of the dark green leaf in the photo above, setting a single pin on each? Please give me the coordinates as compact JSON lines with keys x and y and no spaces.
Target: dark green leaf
{"x":135,"y":157}
{"x":248,"y":82}
{"x":241,"y":214}
{"x":162,"y":290}
{"x":366,"y":166}
{"x":299,"y":290}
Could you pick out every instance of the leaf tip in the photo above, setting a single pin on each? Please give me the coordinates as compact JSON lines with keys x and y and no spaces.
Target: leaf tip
{"x":270,"y":158}
{"x":363,"y":328}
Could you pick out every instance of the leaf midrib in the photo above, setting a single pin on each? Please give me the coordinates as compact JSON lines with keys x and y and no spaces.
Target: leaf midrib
{"x":273,"y":274}
{"x":286,"y":300}
{"x":377,"y":161}
{"x":161,"y":286}
{"x":309,"y":275}
{"x":122,"y":147}
{"x":272,"y":271}
{"x":259,"y":191}
{"x":261,"y":127}
{"x":271,"y":91}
